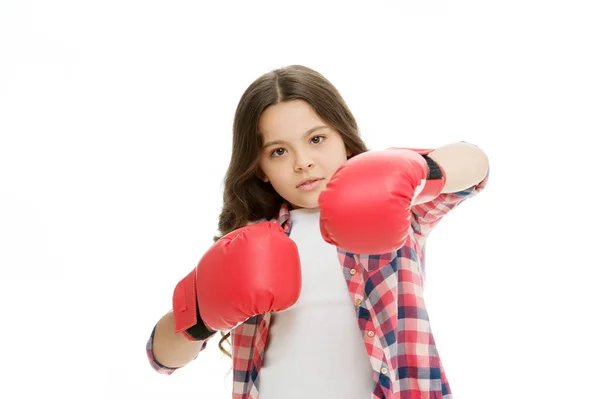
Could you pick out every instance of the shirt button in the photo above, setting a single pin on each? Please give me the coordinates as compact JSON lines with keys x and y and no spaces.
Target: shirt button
{"x":358,"y":301}
{"x":384,"y":370}
{"x":371,"y":334}
{"x":353,"y":271}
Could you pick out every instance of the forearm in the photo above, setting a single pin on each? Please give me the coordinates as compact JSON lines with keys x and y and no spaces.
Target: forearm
{"x":464,"y":164}
{"x":172,"y":349}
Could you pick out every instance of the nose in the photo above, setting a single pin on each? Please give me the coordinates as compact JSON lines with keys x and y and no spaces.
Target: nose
{"x":303,"y":164}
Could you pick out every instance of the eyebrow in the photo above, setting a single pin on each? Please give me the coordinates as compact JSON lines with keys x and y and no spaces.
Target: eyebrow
{"x":308,"y":132}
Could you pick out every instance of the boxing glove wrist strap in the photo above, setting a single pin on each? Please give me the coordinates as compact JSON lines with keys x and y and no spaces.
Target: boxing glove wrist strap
{"x":186,"y":312}
{"x":436,"y":177}
{"x":199,"y":331}
{"x":435,"y":172}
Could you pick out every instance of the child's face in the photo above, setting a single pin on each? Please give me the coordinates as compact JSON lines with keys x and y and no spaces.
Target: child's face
{"x":296,"y":155}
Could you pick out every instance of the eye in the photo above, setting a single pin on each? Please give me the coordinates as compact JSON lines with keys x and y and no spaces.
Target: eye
{"x":276,"y":152}
{"x":280,"y":151}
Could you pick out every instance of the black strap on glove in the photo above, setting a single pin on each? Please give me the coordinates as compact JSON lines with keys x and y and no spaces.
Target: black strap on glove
{"x":435,"y":173}
{"x":199,"y":331}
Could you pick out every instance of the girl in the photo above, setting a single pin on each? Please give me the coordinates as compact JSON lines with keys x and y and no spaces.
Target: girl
{"x":317,"y":276}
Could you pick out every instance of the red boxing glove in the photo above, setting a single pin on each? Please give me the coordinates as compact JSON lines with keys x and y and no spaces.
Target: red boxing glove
{"x":366,"y":206}
{"x":252,"y":270}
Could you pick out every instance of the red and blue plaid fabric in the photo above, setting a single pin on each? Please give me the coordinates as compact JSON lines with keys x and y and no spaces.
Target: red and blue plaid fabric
{"x":387,"y":291}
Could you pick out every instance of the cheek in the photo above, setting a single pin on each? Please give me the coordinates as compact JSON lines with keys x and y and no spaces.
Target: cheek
{"x":275,"y":174}
{"x":335,"y":159}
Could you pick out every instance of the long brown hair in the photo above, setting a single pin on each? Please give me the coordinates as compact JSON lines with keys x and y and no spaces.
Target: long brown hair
{"x":246,"y":197}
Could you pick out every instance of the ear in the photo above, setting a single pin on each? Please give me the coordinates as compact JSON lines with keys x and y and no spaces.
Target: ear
{"x":261,"y":176}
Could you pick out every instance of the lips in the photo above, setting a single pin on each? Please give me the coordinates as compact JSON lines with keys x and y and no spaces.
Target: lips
{"x":308,"y":181}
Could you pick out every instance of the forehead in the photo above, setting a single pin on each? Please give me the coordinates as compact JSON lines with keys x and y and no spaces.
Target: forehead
{"x":287,"y":120}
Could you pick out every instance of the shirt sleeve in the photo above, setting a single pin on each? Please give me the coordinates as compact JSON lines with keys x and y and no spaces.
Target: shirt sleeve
{"x":427,"y":215}
{"x":159,"y":368}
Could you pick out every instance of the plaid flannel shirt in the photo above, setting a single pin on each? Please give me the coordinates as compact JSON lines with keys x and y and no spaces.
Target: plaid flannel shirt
{"x":387,"y":291}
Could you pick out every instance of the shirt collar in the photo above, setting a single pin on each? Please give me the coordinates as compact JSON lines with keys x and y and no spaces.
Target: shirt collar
{"x":284,"y":218}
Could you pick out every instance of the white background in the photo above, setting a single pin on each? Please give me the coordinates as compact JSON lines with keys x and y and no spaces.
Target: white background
{"x":115,"y":124}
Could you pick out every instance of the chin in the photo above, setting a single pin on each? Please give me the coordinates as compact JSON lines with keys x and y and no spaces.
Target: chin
{"x":311,"y":204}
{"x":307,"y":201}
{"x":306,"y":204}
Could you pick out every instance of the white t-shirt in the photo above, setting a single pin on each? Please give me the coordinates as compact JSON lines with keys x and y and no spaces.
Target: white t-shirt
{"x":315,"y":348}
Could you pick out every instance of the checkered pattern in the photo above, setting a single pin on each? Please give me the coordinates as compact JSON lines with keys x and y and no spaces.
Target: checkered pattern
{"x":388,"y":295}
